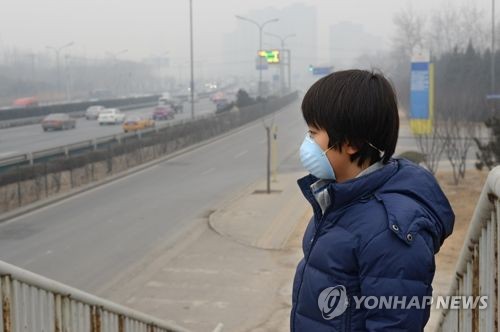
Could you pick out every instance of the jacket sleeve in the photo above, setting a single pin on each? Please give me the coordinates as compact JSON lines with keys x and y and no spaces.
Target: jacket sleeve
{"x":399,"y":273}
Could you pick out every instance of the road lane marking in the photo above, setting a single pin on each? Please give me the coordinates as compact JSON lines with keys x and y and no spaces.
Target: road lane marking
{"x":242,"y":153}
{"x":210,"y":170}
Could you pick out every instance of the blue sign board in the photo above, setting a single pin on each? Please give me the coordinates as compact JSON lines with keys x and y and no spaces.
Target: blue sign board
{"x":322,"y":71}
{"x":419,"y":90}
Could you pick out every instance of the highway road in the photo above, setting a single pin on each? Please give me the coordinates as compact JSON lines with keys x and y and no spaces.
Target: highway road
{"x":87,"y":240}
{"x":24,"y":139}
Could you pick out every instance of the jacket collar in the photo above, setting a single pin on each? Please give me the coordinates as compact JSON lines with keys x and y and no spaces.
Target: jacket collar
{"x":344,"y":193}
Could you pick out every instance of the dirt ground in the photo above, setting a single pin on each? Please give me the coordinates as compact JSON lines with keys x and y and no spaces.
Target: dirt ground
{"x":463,"y":199}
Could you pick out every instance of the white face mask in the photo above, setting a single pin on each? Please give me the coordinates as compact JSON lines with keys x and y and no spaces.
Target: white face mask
{"x":314,"y":159}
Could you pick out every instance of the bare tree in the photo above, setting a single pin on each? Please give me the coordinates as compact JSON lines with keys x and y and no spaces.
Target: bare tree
{"x":410,"y":26}
{"x":454,"y":27}
{"x":458,"y":140}
{"x":431,"y":145}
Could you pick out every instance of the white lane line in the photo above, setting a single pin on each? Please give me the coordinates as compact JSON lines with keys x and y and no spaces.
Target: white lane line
{"x":242,"y":153}
{"x":210,"y":170}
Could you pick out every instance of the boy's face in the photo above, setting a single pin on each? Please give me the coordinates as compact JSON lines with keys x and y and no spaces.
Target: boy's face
{"x":340,"y":160}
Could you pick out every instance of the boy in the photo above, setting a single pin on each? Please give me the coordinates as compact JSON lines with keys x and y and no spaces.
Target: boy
{"x":378,"y":221}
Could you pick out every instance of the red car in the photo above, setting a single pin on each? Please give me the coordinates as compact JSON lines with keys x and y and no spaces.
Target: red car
{"x":163,"y":112}
{"x":58,"y":121}
{"x":25,"y":102}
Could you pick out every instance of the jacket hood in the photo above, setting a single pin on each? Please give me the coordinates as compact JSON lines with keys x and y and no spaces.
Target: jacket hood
{"x":412,"y":181}
{"x":427,"y":207}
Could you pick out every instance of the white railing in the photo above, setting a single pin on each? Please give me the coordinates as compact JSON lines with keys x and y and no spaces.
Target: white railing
{"x":478,"y":268}
{"x":34,"y":303}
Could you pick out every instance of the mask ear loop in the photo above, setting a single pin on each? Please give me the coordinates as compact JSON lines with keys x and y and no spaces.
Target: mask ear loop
{"x":373,"y":146}
{"x":331,"y":147}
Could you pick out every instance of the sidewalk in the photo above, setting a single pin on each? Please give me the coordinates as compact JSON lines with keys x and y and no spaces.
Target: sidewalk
{"x":234,"y":267}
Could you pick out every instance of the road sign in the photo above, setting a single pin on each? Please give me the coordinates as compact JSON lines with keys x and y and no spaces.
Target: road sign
{"x":320,"y":71}
{"x":261,"y":64}
{"x":421,"y":95}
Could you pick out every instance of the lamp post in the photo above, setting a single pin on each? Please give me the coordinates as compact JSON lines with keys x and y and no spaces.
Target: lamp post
{"x":260,"y":26}
{"x":58,"y":50}
{"x":493,"y":83}
{"x":191,"y":51}
{"x":282,"y":74}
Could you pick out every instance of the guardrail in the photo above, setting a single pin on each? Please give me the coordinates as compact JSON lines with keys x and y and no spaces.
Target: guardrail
{"x":31,"y":302}
{"x":76,"y":114}
{"x":19,"y":113}
{"x":94,"y":144}
{"x":478,"y":267}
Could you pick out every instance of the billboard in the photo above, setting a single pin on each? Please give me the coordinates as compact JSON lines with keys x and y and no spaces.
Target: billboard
{"x":421,"y":95}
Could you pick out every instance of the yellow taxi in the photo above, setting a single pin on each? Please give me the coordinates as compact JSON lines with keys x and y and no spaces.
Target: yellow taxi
{"x":135,"y":123}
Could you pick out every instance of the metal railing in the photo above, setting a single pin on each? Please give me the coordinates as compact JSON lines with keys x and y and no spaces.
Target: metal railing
{"x":478,"y":268}
{"x":34,"y":303}
{"x":93,"y":144}
{"x":89,"y":144}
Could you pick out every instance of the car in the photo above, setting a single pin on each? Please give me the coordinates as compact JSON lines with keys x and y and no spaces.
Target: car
{"x":223,"y":105}
{"x":174,"y":102}
{"x":177,"y":105}
{"x":92,"y":113}
{"x":137,"y":122}
{"x":25,"y":102}
{"x":163,"y":112}
{"x":110,"y":116}
{"x":58,"y":121}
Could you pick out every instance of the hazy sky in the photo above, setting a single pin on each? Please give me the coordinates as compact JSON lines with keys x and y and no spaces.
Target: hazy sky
{"x":153,"y":27}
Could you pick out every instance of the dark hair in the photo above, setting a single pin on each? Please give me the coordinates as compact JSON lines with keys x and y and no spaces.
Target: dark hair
{"x":356,"y":107}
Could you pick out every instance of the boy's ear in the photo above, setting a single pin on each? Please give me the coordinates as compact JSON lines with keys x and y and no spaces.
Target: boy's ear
{"x":350,"y":149}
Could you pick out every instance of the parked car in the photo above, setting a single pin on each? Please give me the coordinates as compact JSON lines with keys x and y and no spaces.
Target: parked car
{"x":59,"y":121}
{"x":135,"y":123}
{"x":110,"y":116}
{"x":92,"y":113}
{"x":163,"y":112}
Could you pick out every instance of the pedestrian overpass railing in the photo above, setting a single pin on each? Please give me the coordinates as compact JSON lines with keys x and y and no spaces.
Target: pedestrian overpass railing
{"x":34,"y":303}
{"x":478,"y":269}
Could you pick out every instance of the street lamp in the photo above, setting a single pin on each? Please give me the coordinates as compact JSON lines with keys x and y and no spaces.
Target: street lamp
{"x":282,"y":74}
{"x":114,"y":55}
{"x":493,"y":52}
{"x":261,"y":28}
{"x":58,"y":50}
{"x":191,"y":51}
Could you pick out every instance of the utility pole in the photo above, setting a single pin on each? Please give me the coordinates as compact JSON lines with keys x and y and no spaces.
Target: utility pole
{"x":192,"y":56}
{"x":493,"y":83}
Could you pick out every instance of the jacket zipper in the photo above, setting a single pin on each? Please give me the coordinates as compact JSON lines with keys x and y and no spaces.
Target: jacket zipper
{"x":313,"y":242}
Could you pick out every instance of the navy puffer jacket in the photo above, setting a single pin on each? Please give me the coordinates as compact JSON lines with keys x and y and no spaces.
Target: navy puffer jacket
{"x":377,"y":238}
